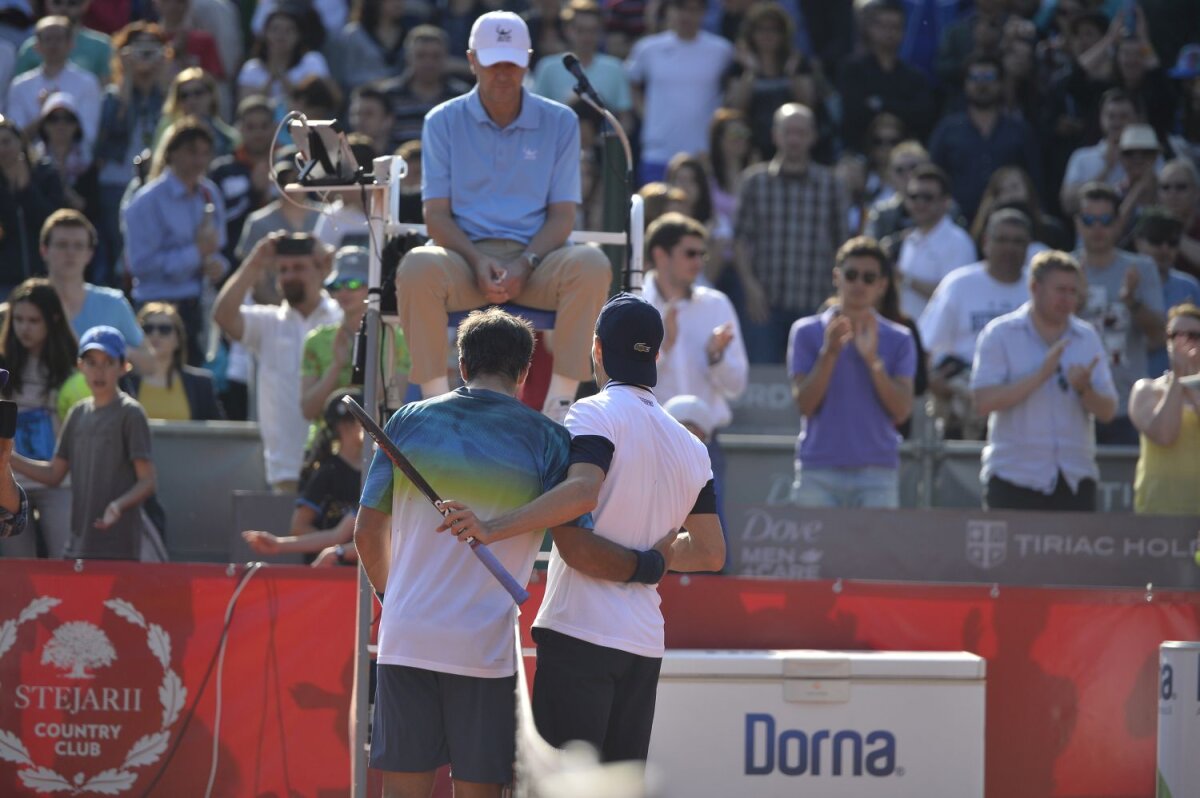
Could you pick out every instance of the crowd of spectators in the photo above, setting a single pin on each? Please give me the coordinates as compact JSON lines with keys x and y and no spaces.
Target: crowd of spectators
{"x":828,"y":177}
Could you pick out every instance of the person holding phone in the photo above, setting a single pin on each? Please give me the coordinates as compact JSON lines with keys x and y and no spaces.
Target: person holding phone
{"x":276,"y":333}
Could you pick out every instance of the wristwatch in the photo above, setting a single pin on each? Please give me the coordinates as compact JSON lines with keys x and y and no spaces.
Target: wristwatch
{"x":339,"y":551}
{"x":533,"y":258}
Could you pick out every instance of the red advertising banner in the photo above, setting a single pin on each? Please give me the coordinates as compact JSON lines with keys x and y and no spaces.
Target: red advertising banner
{"x":109,"y":676}
{"x":109,"y":680}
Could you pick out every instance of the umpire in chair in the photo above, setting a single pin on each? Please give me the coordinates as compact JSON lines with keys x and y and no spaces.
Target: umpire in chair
{"x":500,"y":186}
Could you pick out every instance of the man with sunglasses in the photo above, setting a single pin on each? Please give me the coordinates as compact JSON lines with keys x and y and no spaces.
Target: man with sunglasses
{"x":934,"y":246}
{"x":1041,"y":376}
{"x":1157,"y":235}
{"x":327,"y":364}
{"x":703,"y":353}
{"x":1179,"y":193}
{"x":1124,"y":302}
{"x":852,"y":379}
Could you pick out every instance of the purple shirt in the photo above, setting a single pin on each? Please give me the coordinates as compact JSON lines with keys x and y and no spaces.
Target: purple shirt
{"x":851,"y":428}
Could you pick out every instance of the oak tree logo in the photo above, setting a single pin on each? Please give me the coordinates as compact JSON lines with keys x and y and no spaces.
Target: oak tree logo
{"x":78,"y":645}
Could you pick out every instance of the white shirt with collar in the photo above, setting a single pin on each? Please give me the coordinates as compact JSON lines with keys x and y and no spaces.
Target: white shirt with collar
{"x":930,"y":257}
{"x":685,"y":368}
{"x":1051,"y":431}
{"x":275,"y":334}
{"x":30,"y":90}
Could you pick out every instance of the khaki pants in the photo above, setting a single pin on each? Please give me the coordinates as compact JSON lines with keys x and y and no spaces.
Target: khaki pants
{"x":432,"y":282}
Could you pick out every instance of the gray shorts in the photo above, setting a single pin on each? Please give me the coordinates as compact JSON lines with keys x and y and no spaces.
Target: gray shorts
{"x":425,"y":719}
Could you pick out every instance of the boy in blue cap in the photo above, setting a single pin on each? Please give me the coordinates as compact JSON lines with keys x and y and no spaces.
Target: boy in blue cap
{"x":105,"y":446}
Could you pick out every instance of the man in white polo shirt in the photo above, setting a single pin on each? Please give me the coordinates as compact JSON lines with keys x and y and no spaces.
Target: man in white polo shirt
{"x":641,"y":473}
{"x":275,"y":335}
{"x":935,"y":246}
{"x":500,"y":183}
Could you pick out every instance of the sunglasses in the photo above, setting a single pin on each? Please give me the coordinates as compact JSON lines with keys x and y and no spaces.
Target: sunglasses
{"x":1187,"y":335}
{"x":692,"y":254}
{"x":853,"y":275}
{"x":60,"y":119}
{"x":187,"y":94}
{"x":158,"y":329}
{"x":1102,"y":219}
{"x":1172,"y":187}
{"x":921,"y":196}
{"x":349,"y":284}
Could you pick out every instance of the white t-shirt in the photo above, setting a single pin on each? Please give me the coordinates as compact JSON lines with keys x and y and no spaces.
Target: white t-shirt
{"x":254,"y":75}
{"x":275,"y":333}
{"x":962,"y":306}
{"x":30,"y":90}
{"x":930,"y":257}
{"x":658,"y":469}
{"x":341,"y":221}
{"x":681,"y":81}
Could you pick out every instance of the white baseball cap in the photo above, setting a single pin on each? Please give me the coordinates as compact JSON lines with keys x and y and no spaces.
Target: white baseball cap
{"x":500,"y":36}
{"x":688,"y":409}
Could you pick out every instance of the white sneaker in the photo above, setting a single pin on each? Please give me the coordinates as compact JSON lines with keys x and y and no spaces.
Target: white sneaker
{"x":556,"y":408}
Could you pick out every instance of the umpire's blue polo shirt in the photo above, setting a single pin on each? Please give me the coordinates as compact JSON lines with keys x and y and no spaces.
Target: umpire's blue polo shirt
{"x":499,"y":182}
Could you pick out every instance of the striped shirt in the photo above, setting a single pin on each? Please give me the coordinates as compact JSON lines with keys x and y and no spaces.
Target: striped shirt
{"x":793,"y":226}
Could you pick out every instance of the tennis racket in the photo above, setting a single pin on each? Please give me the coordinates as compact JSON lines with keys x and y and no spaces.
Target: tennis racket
{"x":514,"y":588}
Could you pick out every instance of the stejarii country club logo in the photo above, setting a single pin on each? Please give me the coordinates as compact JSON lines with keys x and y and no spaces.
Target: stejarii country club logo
{"x":102,"y":735}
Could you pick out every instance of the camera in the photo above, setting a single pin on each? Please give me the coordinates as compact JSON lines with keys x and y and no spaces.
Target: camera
{"x":295,"y":244}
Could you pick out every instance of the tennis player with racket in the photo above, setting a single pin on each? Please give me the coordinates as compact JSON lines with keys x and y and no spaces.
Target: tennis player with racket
{"x":600,"y":630}
{"x":446,"y":672}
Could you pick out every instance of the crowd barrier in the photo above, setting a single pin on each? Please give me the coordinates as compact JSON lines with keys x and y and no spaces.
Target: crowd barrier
{"x":107,"y":682}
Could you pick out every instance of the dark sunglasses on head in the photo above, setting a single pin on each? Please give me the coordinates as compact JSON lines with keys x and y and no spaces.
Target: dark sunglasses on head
{"x":922,"y":196}
{"x":158,"y":329}
{"x":853,"y":275}
{"x":349,"y":284}
{"x":1093,"y":219}
{"x":1187,"y":335}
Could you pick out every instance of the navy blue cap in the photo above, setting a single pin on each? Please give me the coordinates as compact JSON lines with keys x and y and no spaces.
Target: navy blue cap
{"x":107,"y":339}
{"x":630,"y":332}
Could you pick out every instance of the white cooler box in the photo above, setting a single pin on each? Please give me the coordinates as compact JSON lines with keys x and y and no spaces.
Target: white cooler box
{"x":819,"y":724}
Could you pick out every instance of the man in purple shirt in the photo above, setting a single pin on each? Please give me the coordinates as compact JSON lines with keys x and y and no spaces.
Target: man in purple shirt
{"x":852,"y":378}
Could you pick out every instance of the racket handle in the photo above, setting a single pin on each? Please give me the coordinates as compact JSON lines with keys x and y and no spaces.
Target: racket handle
{"x":518,"y":593}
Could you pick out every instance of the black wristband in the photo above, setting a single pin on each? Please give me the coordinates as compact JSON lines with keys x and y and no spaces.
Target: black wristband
{"x":651,"y":566}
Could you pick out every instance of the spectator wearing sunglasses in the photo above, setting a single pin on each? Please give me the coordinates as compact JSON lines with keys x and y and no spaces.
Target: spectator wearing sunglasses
{"x":327,"y":364}
{"x":972,"y":144}
{"x":1167,"y":414}
{"x":935,"y":245}
{"x":1041,"y":376}
{"x":170,"y":389}
{"x":852,"y":379}
{"x":1124,"y":302}
{"x":1157,"y":235}
{"x":1179,"y":193}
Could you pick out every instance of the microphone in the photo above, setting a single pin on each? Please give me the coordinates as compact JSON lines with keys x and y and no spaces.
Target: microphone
{"x":584,"y":86}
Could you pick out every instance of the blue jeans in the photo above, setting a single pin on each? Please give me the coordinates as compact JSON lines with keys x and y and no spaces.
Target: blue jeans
{"x":869,"y":487}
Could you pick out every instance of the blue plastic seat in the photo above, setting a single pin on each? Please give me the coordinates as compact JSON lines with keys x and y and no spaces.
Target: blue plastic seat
{"x":540,"y":319}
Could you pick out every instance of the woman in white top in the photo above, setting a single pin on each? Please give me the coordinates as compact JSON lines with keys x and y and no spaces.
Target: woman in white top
{"x":285,"y":53}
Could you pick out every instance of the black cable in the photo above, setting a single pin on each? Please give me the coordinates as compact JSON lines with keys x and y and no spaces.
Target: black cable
{"x":203,"y":685}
